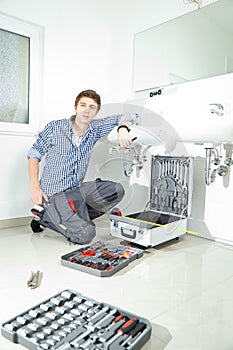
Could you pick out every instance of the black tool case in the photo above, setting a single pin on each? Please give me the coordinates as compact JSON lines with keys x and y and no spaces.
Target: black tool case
{"x":165,"y":217}
{"x":101,"y":259}
{"x":70,"y":320}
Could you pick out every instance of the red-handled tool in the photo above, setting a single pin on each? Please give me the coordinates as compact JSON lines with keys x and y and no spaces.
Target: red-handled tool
{"x":106,"y":333}
{"x":123,"y":330}
{"x":116,"y":320}
{"x":71,"y":203}
{"x":89,"y":252}
{"x":116,"y":211}
{"x":128,"y":326}
{"x":37,"y":213}
{"x":135,"y":332}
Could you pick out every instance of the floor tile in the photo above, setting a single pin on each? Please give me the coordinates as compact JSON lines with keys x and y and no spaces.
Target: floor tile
{"x":184,"y":287}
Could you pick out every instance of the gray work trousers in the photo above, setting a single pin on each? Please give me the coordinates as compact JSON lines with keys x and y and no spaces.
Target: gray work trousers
{"x":89,"y":201}
{"x":99,"y":196}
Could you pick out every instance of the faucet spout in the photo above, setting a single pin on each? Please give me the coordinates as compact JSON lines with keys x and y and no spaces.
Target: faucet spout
{"x":217,"y":109}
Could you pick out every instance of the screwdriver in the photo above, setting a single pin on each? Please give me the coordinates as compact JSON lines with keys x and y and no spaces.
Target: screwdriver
{"x":107,"y":333}
{"x":135,"y":332}
{"x":125,"y":329}
{"x":116,"y":320}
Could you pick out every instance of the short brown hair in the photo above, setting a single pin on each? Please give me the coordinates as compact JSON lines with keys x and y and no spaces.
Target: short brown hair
{"x":91,"y":94}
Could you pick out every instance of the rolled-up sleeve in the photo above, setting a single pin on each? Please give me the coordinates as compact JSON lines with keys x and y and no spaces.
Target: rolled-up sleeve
{"x":40,"y":147}
{"x":105,"y":125}
{"x":32,"y":153}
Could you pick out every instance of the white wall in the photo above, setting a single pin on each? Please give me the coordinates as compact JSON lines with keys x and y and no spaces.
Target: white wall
{"x":76,"y":56}
{"x":87,"y":45}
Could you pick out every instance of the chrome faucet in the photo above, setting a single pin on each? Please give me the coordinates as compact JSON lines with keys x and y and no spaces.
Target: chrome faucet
{"x":216,"y":108}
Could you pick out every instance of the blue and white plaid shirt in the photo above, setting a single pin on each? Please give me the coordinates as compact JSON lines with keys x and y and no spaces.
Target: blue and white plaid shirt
{"x":66,"y":163}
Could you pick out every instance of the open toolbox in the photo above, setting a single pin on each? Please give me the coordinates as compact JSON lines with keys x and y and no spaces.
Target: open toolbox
{"x":101,"y":259}
{"x":165,"y":217}
{"x":70,"y":320}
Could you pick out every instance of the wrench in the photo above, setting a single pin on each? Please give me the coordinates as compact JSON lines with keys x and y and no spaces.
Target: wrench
{"x":159,"y":171}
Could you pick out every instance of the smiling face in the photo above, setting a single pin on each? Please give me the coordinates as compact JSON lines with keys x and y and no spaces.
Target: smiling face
{"x":86,"y":110}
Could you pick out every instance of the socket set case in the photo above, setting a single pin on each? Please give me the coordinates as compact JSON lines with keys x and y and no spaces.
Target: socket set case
{"x":69,"y":321}
{"x":169,"y":207}
{"x":101,"y":259}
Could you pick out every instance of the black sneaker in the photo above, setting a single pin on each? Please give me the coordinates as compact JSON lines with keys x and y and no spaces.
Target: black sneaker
{"x":35,"y":226}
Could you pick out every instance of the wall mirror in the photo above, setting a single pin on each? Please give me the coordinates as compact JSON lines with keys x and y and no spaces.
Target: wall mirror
{"x":193,"y":46}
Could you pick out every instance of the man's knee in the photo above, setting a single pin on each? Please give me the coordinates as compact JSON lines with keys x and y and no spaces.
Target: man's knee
{"x":120,"y":191}
{"x":83,"y":234}
{"x":116,"y":193}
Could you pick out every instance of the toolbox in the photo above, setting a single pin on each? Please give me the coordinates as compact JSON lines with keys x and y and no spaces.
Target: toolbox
{"x":101,"y":259}
{"x":70,"y":320}
{"x":165,"y":216}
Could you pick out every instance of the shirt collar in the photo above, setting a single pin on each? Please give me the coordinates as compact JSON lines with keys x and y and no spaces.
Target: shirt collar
{"x":90,"y":127}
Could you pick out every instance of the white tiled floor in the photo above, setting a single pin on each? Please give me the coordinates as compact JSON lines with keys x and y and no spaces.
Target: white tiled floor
{"x":185,"y":287}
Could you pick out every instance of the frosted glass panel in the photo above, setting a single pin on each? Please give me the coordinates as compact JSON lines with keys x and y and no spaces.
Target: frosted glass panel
{"x":14,"y":77}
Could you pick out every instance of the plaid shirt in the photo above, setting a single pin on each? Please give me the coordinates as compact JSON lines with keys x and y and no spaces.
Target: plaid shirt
{"x":66,"y":163}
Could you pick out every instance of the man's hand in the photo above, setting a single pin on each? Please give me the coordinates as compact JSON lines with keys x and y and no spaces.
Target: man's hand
{"x":124,"y":137}
{"x":37,"y":195}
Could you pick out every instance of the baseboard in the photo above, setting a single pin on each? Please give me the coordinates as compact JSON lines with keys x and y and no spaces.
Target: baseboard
{"x":15,"y":222}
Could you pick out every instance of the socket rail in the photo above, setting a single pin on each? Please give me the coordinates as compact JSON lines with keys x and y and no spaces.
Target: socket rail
{"x":72,"y":321}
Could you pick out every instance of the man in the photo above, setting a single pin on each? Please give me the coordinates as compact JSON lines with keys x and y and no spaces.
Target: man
{"x":67,"y":145}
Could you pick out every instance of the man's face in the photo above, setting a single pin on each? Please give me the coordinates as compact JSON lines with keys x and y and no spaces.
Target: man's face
{"x":86,"y":110}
